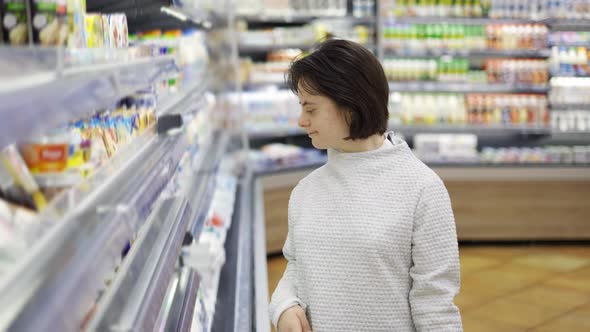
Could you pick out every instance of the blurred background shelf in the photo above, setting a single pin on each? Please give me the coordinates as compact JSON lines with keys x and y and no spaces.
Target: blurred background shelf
{"x":278,"y":131}
{"x":543,"y":53}
{"x":411,"y":130}
{"x":567,"y":107}
{"x":464,"y":87}
{"x":458,"y":20}
{"x":302,"y":19}
{"x":567,"y":24}
{"x":580,"y":136}
{"x":498,"y":130}
{"x":270,"y":48}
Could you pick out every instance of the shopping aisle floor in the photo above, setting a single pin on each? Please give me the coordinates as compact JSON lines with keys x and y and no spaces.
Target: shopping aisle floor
{"x":515,"y":288}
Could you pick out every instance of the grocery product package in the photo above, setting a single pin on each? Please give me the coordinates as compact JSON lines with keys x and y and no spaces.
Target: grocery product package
{"x":94,"y":32}
{"x":18,"y":183}
{"x":15,"y":22}
{"x":117,"y":30}
{"x":11,"y":191}
{"x":1,"y":22}
{"x":15,"y":223}
{"x":46,"y":28}
{"x":76,"y":9}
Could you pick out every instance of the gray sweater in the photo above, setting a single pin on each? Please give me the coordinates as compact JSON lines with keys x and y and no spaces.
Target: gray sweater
{"x":371,"y":246}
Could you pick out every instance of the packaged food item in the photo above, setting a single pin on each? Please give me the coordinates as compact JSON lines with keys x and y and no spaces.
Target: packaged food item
{"x":124,"y":29}
{"x":106,"y":37}
{"x":15,"y":22}
{"x":76,"y":9}
{"x":79,"y":149}
{"x":94,"y":30}
{"x":94,"y":133}
{"x":118,"y":31}
{"x":1,"y":22}
{"x":47,"y":154}
{"x":106,"y":130}
{"x":12,"y":244}
{"x":61,"y":14}
{"x":45,"y":22}
{"x":12,"y":191}
{"x":16,"y":167}
{"x":5,"y":213}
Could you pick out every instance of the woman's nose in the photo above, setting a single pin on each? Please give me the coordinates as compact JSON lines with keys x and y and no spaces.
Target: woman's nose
{"x":303,"y":121}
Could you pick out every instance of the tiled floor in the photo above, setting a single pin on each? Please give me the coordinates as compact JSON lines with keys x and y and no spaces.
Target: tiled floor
{"x":516,"y":288}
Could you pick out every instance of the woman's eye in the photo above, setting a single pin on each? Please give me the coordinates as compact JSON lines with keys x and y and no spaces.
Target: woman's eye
{"x":309,"y":111}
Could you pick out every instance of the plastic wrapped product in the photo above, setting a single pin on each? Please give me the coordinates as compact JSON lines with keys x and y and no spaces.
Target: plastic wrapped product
{"x":15,"y":22}
{"x":45,"y":22}
{"x":47,"y":154}
{"x":94,"y":30}
{"x":76,"y":10}
{"x":16,"y":167}
{"x":105,"y":31}
{"x":1,"y":22}
{"x":61,"y":13}
{"x":124,"y":37}
{"x":118,"y":31}
{"x":11,"y":191}
{"x":14,"y":223}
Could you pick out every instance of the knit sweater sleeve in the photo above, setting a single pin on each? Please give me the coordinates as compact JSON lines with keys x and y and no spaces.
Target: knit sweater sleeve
{"x":435,"y":269}
{"x":285,"y":294}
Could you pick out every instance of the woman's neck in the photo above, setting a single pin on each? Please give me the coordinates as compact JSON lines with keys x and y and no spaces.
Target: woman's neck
{"x":362,"y":145}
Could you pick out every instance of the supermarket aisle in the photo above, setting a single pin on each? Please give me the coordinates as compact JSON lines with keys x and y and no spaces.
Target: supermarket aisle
{"x":515,"y":288}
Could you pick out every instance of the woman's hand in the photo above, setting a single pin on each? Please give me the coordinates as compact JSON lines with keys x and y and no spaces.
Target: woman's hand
{"x":293,"y":320}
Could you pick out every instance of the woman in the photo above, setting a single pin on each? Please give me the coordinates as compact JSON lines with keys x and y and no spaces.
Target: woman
{"x":372,"y":244}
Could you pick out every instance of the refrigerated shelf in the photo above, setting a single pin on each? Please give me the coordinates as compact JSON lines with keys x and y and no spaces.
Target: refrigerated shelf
{"x":569,"y":107}
{"x":414,"y":86}
{"x":570,"y":44}
{"x":567,"y":24}
{"x":149,"y":267}
{"x":411,"y":130}
{"x":145,"y":15}
{"x":582,"y":137}
{"x":243,"y":48}
{"x":255,"y":86}
{"x":520,"y":53}
{"x":242,"y":304}
{"x":278,"y":131}
{"x":87,"y":227}
{"x":183,"y":298}
{"x":302,"y":19}
{"x":90,"y":225}
{"x":496,"y":130}
{"x":42,"y":88}
{"x":569,"y":75}
{"x":458,"y":20}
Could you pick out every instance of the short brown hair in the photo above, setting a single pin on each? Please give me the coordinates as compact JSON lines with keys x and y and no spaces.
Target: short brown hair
{"x":352,"y":77}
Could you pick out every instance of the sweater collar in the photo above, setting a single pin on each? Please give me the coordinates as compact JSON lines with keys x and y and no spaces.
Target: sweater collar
{"x":390,"y":143}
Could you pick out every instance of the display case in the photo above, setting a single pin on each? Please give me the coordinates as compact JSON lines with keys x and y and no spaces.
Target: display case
{"x":505,"y":77}
{"x":114,"y":243}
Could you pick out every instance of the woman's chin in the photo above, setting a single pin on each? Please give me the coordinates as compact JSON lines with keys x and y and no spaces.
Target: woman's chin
{"x":318,"y":145}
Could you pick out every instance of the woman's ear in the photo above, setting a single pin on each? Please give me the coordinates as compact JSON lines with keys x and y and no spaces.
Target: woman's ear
{"x":348,"y":117}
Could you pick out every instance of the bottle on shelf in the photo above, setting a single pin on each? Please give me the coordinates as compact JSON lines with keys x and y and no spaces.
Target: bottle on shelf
{"x":570,"y":90}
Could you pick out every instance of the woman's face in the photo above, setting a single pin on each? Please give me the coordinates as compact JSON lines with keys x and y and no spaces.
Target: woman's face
{"x":324,"y":123}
